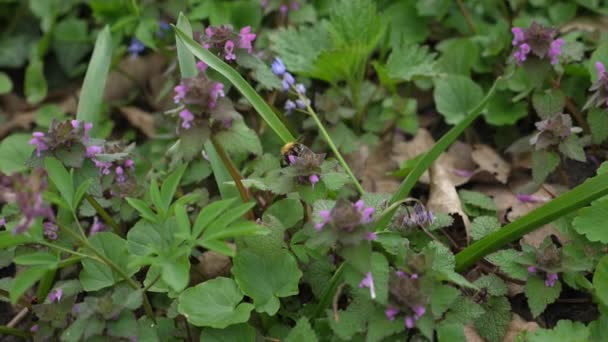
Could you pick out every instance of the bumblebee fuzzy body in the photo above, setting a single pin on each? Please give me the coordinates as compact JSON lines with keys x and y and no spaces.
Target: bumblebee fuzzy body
{"x":293,"y":149}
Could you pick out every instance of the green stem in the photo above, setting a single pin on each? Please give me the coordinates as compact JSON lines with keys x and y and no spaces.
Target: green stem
{"x":104,"y":214}
{"x":574,"y":199}
{"x":334,"y":149}
{"x":4,"y":330}
{"x":427,"y":160}
{"x":329,"y":291}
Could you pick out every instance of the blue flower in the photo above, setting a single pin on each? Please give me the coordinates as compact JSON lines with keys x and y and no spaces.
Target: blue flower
{"x":136,"y":47}
{"x":278,"y":68}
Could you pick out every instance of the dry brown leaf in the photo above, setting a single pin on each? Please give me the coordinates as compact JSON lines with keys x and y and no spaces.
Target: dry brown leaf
{"x":212,"y":265}
{"x":421,"y":143}
{"x":132,"y":73}
{"x":490,"y":162}
{"x":443,"y":196}
{"x":24,"y":120}
{"x":372,"y":168}
{"x":140,"y":119}
{"x":471,"y":335}
{"x":517,"y":326}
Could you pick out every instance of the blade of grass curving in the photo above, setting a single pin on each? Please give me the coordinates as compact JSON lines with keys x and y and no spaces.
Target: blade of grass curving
{"x":427,"y":160}
{"x":574,"y":199}
{"x":187,"y":63}
{"x":94,"y":83}
{"x":239,"y":82}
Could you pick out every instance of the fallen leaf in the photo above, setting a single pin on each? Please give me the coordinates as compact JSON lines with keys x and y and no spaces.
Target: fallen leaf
{"x":140,"y":119}
{"x":25,"y":120}
{"x":372,"y":168}
{"x":443,"y":196}
{"x":489,"y":161}
{"x":471,"y":335}
{"x":404,"y":151}
{"x":132,"y":73}
{"x":517,"y":326}
{"x":212,"y":265}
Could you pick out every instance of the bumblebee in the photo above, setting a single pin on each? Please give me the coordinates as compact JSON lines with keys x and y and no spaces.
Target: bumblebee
{"x":293,"y":148}
{"x":305,"y":157}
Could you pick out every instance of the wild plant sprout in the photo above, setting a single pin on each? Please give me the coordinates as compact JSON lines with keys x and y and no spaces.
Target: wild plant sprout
{"x":307,"y":183}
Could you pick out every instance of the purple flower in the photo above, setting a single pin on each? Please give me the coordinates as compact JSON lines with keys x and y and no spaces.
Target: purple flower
{"x":368,"y":281}
{"x":93,"y":150}
{"x":288,"y":81}
{"x":409,"y":322}
{"x":201,"y":66}
{"x":229,"y":50}
{"x":295,"y":6}
{"x":530,"y":198}
{"x":419,"y":311}
{"x":55,"y":295}
{"x":38,"y":141}
{"x":601,"y":70}
{"x":463,"y":173}
{"x":283,"y":9}
{"x":217,"y":91}
{"x":555,"y":50}
{"x":371,"y":236}
{"x":96,"y":227}
{"x":34,"y":328}
{"x":314,"y":179}
{"x":164,"y":25}
{"x":180,"y":92}
{"x":518,"y":36}
{"x":186,"y":116}
{"x":75,"y":124}
{"x":120,"y":174}
{"x":290,"y":106}
{"x":325,"y":218}
{"x":50,"y":230}
{"x":104,"y":167}
{"x":278,"y":68}
{"x":551,"y":279}
{"x":302,"y":103}
{"x":532,"y":269}
{"x":300,"y":89}
{"x":2,"y":221}
{"x":522,"y":53}
{"x":87,"y":129}
{"x":136,"y":47}
{"x":246,"y":38}
{"x":420,"y":217}
{"x":391,"y":313}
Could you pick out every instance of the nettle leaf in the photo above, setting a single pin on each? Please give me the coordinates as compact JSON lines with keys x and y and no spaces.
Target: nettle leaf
{"x":573,"y":148}
{"x":459,"y":55}
{"x":450,"y":332}
{"x":539,"y":295}
{"x":299,"y":48}
{"x":215,"y":303}
{"x":493,"y":284}
{"x":476,"y":203}
{"x":463,"y":310}
{"x":404,"y":24}
{"x":235,"y":332}
{"x":240,"y":138}
{"x":266,"y":278}
{"x":410,"y":61}
{"x":598,"y":122}
{"x":352,"y":320}
{"x":379,"y":327}
{"x":442,"y":297}
{"x":501,"y":110}
{"x":600,"y":280}
{"x":543,"y":164}
{"x":443,"y":263}
{"x":507,"y":261}
{"x":289,"y":211}
{"x":95,"y":275}
{"x":591,"y":221}
{"x":14,"y":152}
{"x":484,"y":225}
{"x":455,"y":96}
{"x":548,"y":102}
{"x":564,"y":331}
{"x":302,"y":332}
{"x":493,"y":324}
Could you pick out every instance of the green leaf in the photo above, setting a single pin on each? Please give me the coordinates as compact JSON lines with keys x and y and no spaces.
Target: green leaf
{"x":187,"y":64}
{"x":154,"y":193}
{"x":564,"y":331}
{"x":35,"y":83}
{"x":380,"y":272}
{"x":573,"y":148}
{"x":302,"y":332}
{"x":61,"y":178}
{"x":170,"y":186}
{"x":442,"y":297}
{"x":352,"y":320}
{"x":459,"y":56}
{"x":14,"y":152}
{"x":209,"y":213}
{"x":125,"y":325}
{"x":70,"y":43}
{"x":591,"y":221}
{"x":95,"y":79}
{"x":455,"y":96}
{"x":226,"y":219}
{"x":240,"y":138}
{"x":548,"y":102}
{"x":501,"y":110}
{"x":215,"y":303}
{"x":81,"y":191}
{"x":598,"y":122}
{"x":493,"y":284}
{"x":599,"y":55}
{"x":6,"y":85}
{"x":220,"y":173}
{"x":8,"y":239}
{"x":142,"y":208}
{"x":449,"y":332}
{"x":266,"y":279}
{"x":289,"y":211}
{"x":37,"y":258}
{"x":539,"y":295}
{"x":239,"y":82}
{"x":235,"y":332}
{"x":176,"y":272}
{"x":95,"y":275}
{"x":477,"y":200}
{"x":543,"y":163}
{"x":507,"y":261}
{"x":493,"y":324}
{"x":24,"y":280}
{"x":484,"y":225}
{"x":411,"y":61}
{"x":299,"y":48}
{"x":379,"y":327}
{"x":600,"y":280}
{"x":463,"y":311}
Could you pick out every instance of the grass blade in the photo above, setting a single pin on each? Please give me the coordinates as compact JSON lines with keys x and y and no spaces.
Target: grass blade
{"x":187,"y":64}
{"x":574,"y":199}
{"x":95,"y":79}
{"x":239,"y":82}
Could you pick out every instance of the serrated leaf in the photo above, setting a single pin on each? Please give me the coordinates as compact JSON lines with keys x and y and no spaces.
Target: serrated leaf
{"x":448,"y":332}
{"x":598,"y":122}
{"x":299,"y":48}
{"x":600,"y":280}
{"x":215,"y":303}
{"x":494,"y":323}
{"x":463,"y":310}
{"x":411,"y":61}
{"x":507,"y":261}
{"x":442,"y":297}
{"x":302,"y":332}
{"x":493,"y":284}
{"x":572,"y":148}
{"x":591,"y":221}
{"x":564,"y":331}
{"x":96,"y":275}
{"x":379,"y":327}
{"x":539,"y":295}
{"x":543,"y":163}
{"x":548,"y":102}
{"x":240,"y":138}
{"x":477,"y":200}
{"x":14,"y":152}
{"x":24,"y":280}
{"x":455,"y":96}
{"x":353,"y":319}
{"x":484,"y":225}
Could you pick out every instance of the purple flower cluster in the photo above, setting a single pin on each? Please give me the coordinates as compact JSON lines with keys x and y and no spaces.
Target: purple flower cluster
{"x":550,"y":278}
{"x":96,"y":227}
{"x":62,"y":135}
{"x":536,"y":40}
{"x":420,"y":217}
{"x":599,"y":98}
{"x":289,"y":83}
{"x":198,"y":94}
{"x":136,"y":47}
{"x":119,"y":168}
{"x":362,"y":216}
{"x":553,"y":130}
{"x":223,"y":40}
{"x":285,"y":6}
{"x":368,"y":281}
{"x":55,"y":295}
{"x":525,"y":198}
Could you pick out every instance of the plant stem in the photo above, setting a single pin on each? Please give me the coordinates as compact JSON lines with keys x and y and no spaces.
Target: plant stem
{"x":234,"y":173}
{"x":327,"y":295}
{"x":104,"y":214}
{"x":4,"y":330}
{"x":427,"y":160}
{"x":574,"y":199}
{"x":467,"y":16}
{"x":334,"y":149}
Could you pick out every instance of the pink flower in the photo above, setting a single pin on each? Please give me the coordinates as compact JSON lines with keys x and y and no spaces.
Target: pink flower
{"x":75,"y":124}
{"x":217,"y":91}
{"x":371,"y":236}
{"x":292,"y":159}
{"x":368,"y":281}
{"x":96,"y":227}
{"x":522,"y":53}
{"x":409,"y":322}
{"x":313,"y":179}
{"x":55,"y":295}
{"x":283,"y":9}
{"x":209,"y":31}
{"x":551,"y":279}
{"x":518,"y":36}
{"x":601,"y":70}
{"x":2,"y":221}
{"x":38,"y":141}
{"x":555,"y":50}
{"x":229,"y":50}
{"x":201,"y":66}
{"x":180,"y":92}
{"x":390,"y":313}
{"x":325,"y":216}
{"x":246,"y":38}
{"x":93,"y":150}
{"x":187,"y":118}
{"x":419,"y":311}
{"x":34,"y":328}
{"x":414,"y":276}
{"x":532,"y":269}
